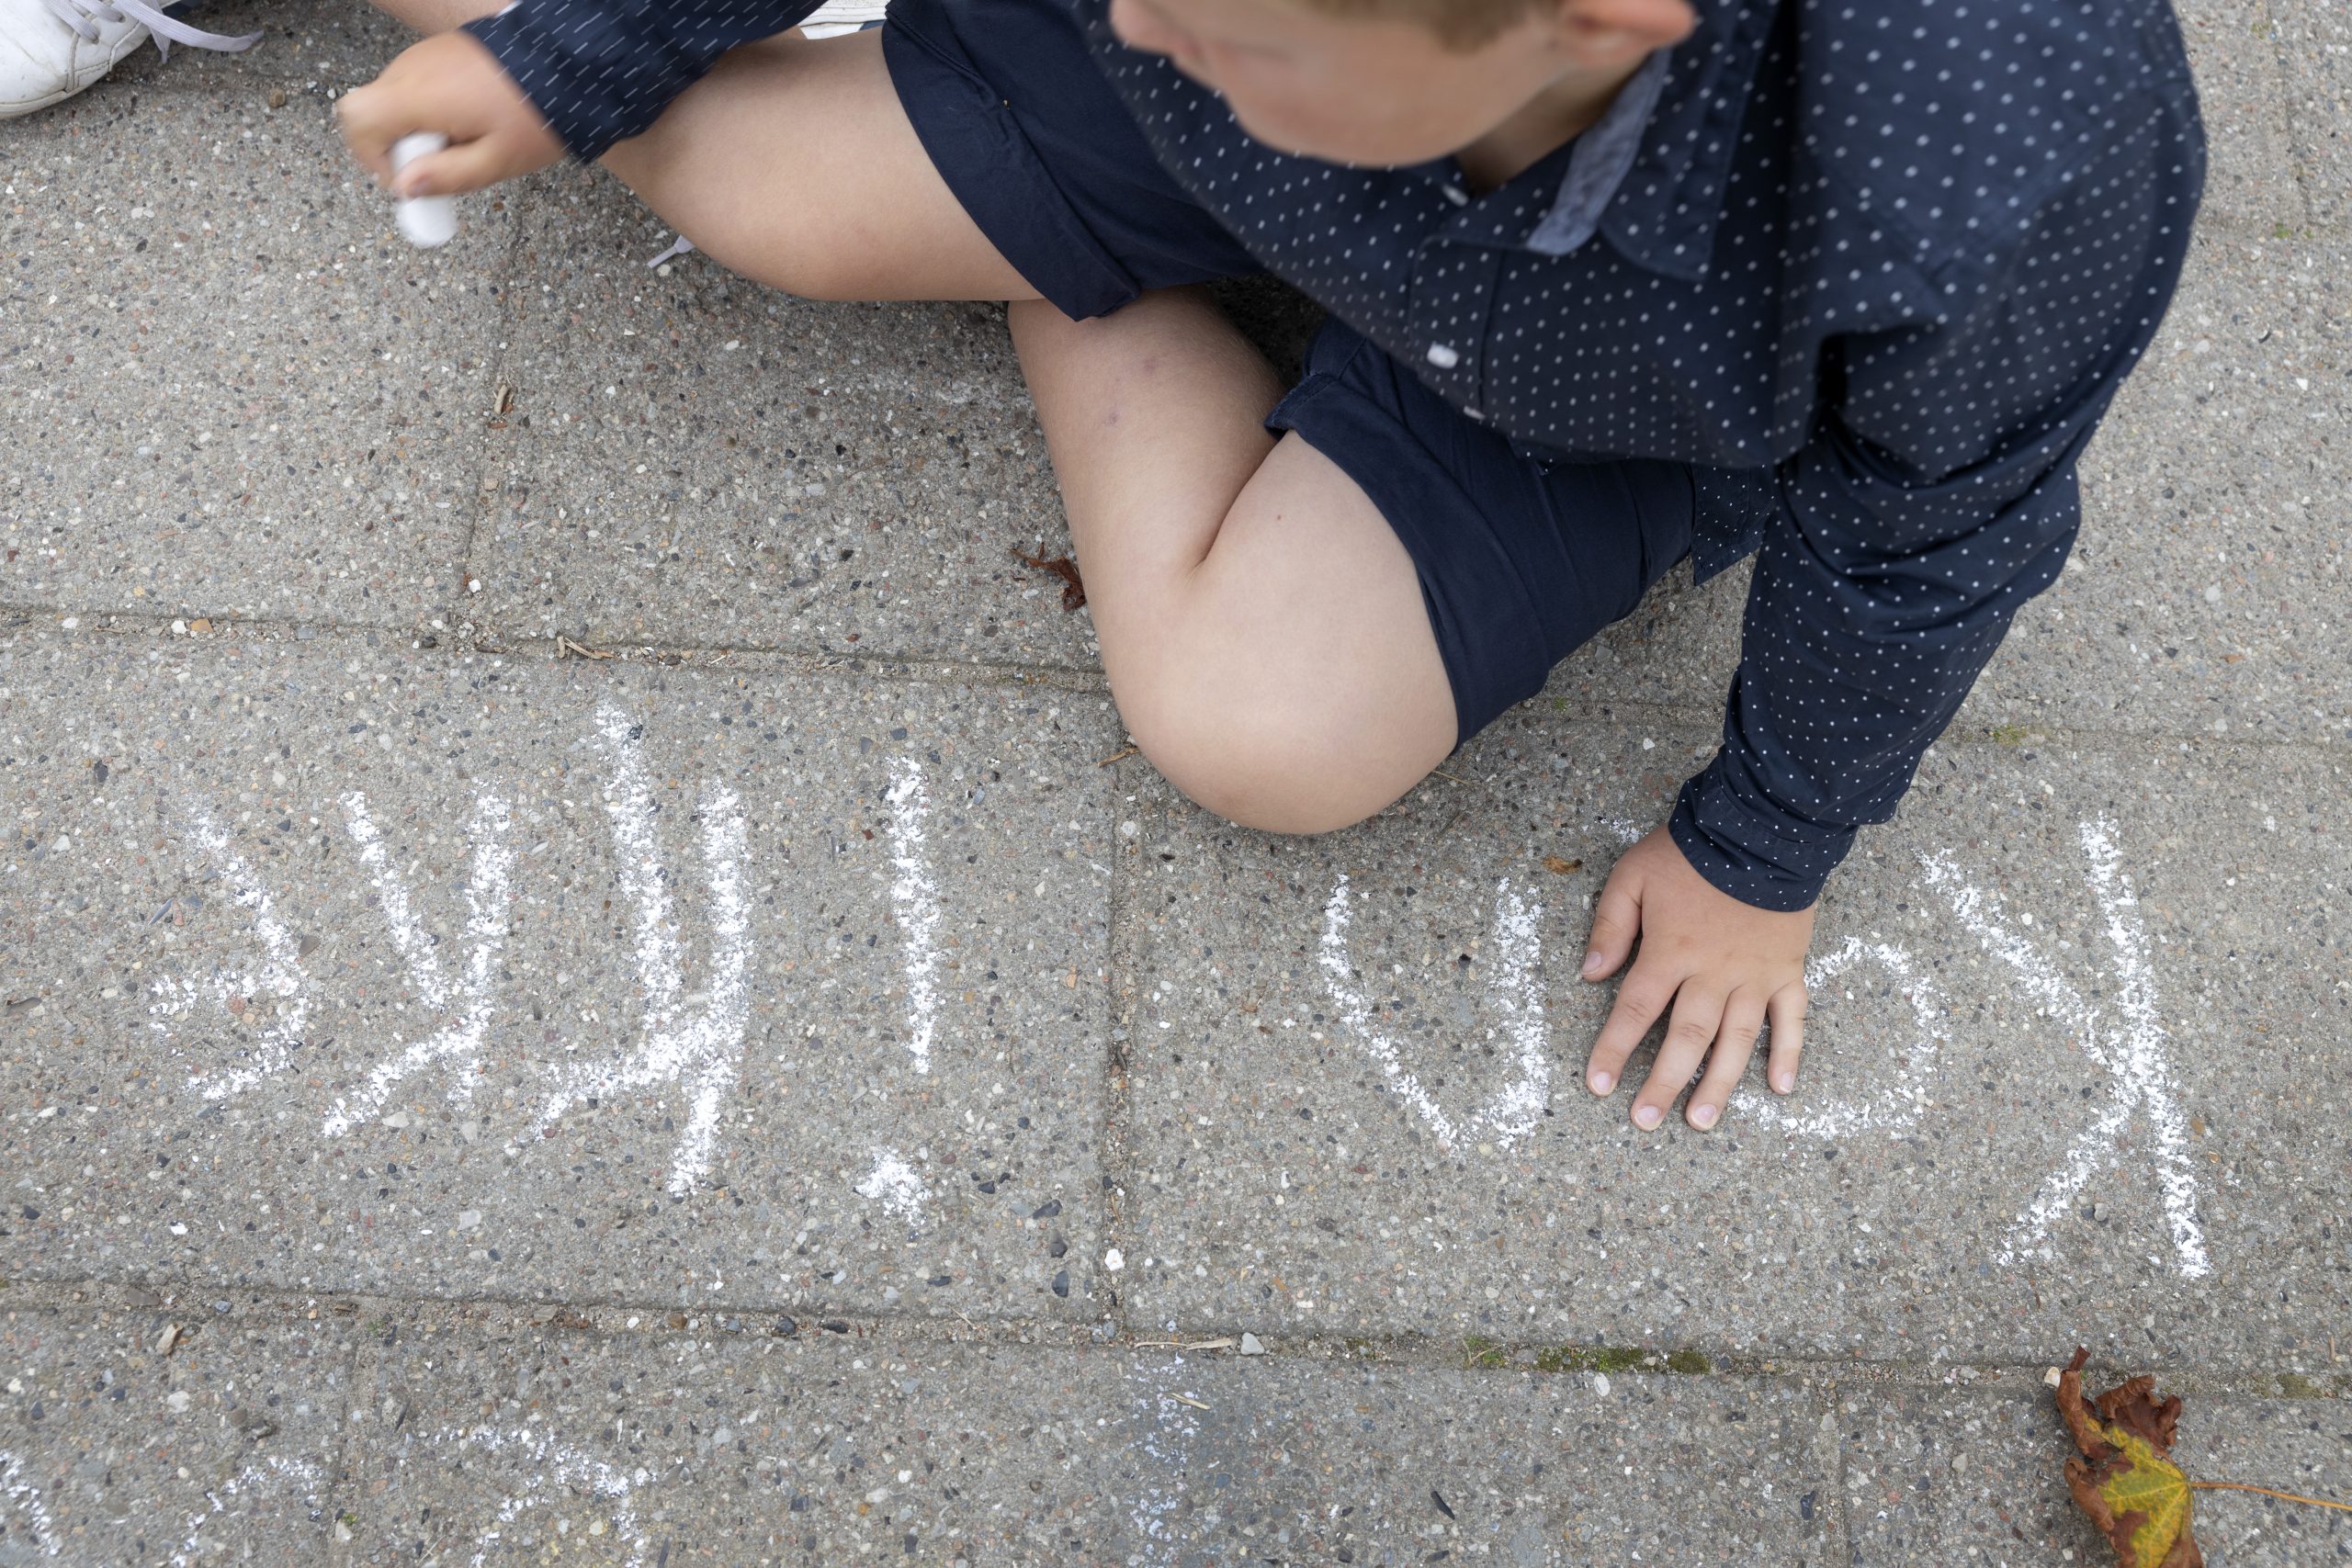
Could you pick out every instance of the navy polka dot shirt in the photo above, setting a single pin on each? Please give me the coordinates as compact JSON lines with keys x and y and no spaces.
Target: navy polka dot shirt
{"x":1876,"y":268}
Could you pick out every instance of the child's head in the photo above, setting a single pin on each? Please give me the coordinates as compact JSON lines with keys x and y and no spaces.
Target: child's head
{"x":1389,"y":82}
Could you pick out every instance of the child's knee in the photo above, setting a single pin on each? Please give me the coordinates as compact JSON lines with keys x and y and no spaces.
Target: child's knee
{"x":1244,"y":757}
{"x":805,"y":262}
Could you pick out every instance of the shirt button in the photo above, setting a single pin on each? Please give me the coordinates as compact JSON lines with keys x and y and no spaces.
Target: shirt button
{"x":1443,"y":357}
{"x":1457,"y":195}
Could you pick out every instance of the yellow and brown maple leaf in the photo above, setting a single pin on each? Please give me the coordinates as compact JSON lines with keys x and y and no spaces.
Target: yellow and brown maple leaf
{"x":2135,"y":1494}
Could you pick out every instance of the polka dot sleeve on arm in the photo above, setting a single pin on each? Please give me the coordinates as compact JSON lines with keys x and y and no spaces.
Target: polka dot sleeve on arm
{"x":1937,"y":494}
{"x":601,"y":70}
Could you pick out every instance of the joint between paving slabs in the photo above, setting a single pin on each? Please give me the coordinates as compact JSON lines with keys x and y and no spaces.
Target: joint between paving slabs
{"x":2303,"y":176}
{"x":342,"y":1499}
{"x":787,"y":662}
{"x":1994,"y":730}
{"x":45,"y":620}
{"x":382,"y":1319}
{"x":1121,"y":975}
{"x":198,"y":1303}
{"x":495,"y":448}
{"x":1830,"y":1461}
{"x":321,"y":72}
{"x":2255,"y":231}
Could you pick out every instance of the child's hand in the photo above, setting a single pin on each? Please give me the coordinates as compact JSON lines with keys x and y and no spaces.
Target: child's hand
{"x":1725,"y":966}
{"x":452,"y":83}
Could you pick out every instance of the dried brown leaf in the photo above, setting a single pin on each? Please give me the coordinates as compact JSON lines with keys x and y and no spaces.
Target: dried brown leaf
{"x":1073,"y":587}
{"x":2123,"y":1482}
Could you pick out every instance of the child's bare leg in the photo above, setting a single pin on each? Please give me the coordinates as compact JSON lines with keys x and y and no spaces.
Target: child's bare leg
{"x":1262,"y":627}
{"x":436,"y":16}
{"x":793,"y":163}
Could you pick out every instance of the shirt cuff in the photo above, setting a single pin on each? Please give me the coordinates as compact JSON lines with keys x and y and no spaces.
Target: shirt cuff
{"x":568,"y":90}
{"x":1744,"y":845}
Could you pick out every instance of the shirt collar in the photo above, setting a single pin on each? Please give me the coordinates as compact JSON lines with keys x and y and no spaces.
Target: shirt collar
{"x":1658,"y":197}
{"x":1599,"y":160}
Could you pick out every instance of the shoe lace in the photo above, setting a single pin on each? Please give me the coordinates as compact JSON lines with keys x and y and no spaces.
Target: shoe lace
{"x":84,"y":17}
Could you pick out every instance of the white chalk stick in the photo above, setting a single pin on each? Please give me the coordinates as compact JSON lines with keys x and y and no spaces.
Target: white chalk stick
{"x":431,"y":220}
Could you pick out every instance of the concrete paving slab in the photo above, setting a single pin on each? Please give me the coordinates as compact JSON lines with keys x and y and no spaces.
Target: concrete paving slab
{"x":307,"y":46}
{"x":2206,"y":594}
{"x":221,"y":1446}
{"x":693,"y":458}
{"x":226,"y":388}
{"x":1289,"y":1461}
{"x":2315,"y":51}
{"x":2038,"y":1001}
{"x":358,"y":960}
{"x":1963,"y":1477}
{"x":681,"y":1449}
{"x":433,"y":976}
{"x":2250,"y":179}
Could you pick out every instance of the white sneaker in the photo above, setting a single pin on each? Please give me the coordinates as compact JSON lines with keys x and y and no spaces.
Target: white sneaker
{"x":50,"y":49}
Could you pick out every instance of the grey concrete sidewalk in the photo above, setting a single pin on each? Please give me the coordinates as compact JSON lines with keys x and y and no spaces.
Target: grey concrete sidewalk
{"x":583,"y":977}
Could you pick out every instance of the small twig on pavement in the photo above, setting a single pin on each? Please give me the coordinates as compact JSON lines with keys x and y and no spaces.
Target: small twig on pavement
{"x":2246,"y":1486}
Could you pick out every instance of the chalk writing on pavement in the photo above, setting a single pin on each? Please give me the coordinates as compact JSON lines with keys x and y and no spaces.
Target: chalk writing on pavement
{"x":2124,"y":1035}
{"x":689,"y":1039}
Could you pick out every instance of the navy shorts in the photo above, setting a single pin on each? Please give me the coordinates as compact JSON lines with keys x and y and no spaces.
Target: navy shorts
{"x":1520,"y":560}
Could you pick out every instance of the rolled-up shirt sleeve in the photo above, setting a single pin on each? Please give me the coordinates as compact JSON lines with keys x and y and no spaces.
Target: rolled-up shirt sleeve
{"x":601,"y":70}
{"x":1936,"y":496}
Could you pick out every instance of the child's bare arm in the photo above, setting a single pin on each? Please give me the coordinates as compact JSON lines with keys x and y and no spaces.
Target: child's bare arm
{"x":790,"y":162}
{"x":513,"y":89}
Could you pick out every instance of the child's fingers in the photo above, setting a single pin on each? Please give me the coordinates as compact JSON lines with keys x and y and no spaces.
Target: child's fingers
{"x":449,"y":84}
{"x":369,"y":127}
{"x":1786,"y":1011}
{"x":1615,"y":922}
{"x":1743,"y":1021}
{"x":454,"y":171}
{"x":1698,"y":1017}
{"x":1645,"y":995}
